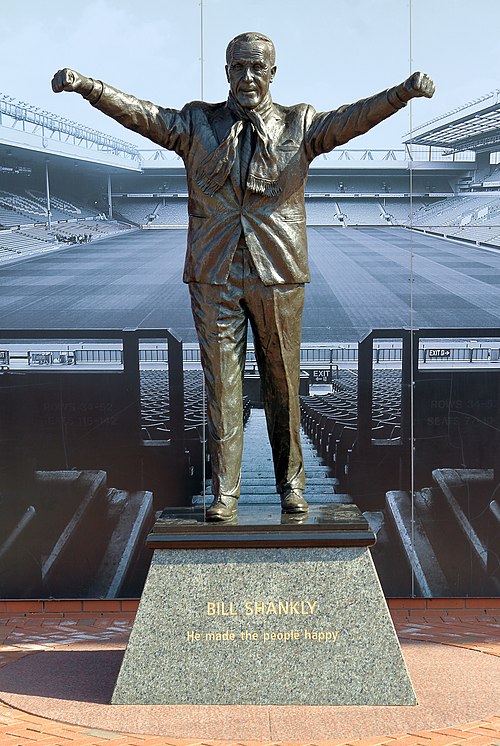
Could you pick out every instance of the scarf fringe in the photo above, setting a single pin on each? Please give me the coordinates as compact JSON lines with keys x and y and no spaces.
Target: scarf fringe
{"x":260,"y":186}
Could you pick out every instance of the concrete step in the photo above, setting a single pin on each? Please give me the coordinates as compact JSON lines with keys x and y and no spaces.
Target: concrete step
{"x":257,"y":473}
{"x":416,"y":545}
{"x":312,"y":499}
{"x":133,"y":515}
{"x":89,"y":487}
{"x":251,"y":475}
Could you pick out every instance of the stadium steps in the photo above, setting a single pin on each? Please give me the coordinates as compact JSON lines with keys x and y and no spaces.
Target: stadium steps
{"x":431,"y":533}
{"x":415,"y":543}
{"x":84,"y":538}
{"x":468,"y":493}
{"x":257,"y":474}
{"x":493,"y":567}
{"x":132,"y":516}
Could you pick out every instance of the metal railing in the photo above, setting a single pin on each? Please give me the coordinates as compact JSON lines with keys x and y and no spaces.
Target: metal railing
{"x":411,"y":370}
{"x":470,"y":352}
{"x":129,"y":356}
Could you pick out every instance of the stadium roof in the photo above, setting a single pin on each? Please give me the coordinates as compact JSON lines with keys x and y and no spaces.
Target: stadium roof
{"x":26,"y":127}
{"x":478,"y":131}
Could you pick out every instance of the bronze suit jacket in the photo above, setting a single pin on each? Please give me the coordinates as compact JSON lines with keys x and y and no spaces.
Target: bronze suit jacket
{"x":274,"y":227}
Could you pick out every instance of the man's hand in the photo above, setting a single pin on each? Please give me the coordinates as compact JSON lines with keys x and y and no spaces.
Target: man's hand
{"x":70,"y":80}
{"x":419,"y":84}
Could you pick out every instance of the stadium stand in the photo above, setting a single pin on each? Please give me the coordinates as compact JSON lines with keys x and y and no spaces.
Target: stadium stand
{"x":362,"y":211}
{"x":9,"y":217}
{"x":173,"y":184}
{"x":378,"y":184}
{"x":155,"y":412}
{"x":18,"y":209}
{"x":150,"y":212}
{"x":23,"y":206}
{"x":492,"y":179}
{"x":400,"y":211}
{"x":322,"y":212}
{"x":136,"y":210}
{"x":155,"y":417}
{"x":60,"y":209}
{"x":29,"y":241}
{"x":486,"y":234}
{"x":453,"y":210}
{"x":96,"y":228}
{"x":18,"y":243}
{"x":172,"y":213}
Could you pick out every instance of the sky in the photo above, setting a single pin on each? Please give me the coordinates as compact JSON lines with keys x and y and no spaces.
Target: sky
{"x":329,"y":52}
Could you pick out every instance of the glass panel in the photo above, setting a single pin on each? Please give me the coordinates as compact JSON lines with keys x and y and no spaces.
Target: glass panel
{"x":455,"y":275}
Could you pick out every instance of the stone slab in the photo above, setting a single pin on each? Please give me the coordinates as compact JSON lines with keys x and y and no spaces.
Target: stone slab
{"x":257,"y":526}
{"x":305,"y":626}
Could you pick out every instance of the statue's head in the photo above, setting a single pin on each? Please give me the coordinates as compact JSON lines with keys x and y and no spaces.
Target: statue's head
{"x":250,"y":68}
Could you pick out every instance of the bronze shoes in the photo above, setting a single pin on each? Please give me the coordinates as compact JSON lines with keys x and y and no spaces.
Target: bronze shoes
{"x":223,"y":508}
{"x":292,"y":501}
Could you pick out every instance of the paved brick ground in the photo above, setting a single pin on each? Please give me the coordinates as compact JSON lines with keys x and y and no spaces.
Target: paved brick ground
{"x":25,"y":635}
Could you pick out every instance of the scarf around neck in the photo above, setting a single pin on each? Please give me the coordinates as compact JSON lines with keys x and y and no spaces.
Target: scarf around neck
{"x":263,"y":173}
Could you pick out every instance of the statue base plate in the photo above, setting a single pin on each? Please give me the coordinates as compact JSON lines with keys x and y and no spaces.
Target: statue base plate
{"x":262,"y":624}
{"x":330,"y":525}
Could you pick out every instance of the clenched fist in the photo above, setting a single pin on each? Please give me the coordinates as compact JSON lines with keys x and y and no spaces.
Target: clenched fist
{"x":419,"y":84}
{"x":69,"y":80}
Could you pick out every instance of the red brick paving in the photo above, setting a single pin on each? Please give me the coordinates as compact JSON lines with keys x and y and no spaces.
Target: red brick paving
{"x":473,"y":624}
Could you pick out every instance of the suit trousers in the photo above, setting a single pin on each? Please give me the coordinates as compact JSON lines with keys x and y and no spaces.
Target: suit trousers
{"x":221,"y":315}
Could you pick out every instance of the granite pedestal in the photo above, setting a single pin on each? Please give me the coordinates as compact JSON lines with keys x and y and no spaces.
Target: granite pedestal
{"x":269,"y":610}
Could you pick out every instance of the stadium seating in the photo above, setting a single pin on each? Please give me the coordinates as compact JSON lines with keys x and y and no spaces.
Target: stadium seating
{"x":155,"y":412}
{"x":23,"y":206}
{"x":488,"y":234}
{"x":173,"y":185}
{"x":29,"y":207}
{"x":150,"y":212}
{"x":8,"y":217}
{"x":18,"y":243}
{"x":330,"y":420}
{"x":322,"y":212}
{"x":155,"y":415}
{"x":493,"y":177}
{"x":172,"y":213}
{"x":60,"y":209}
{"x":31,"y":240}
{"x":94,"y":228}
{"x":453,"y":210}
{"x":401,"y":211}
{"x":360,"y":211}
{"x":136,"y":210}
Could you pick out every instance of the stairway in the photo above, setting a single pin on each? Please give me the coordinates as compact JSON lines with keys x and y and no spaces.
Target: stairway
{"x":257,"y":474}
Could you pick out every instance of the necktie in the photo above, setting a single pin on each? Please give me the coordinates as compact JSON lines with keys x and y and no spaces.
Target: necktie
{"x":246,"y":152}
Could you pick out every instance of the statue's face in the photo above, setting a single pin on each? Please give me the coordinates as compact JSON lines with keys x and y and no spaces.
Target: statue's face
{"x":250,"y":73}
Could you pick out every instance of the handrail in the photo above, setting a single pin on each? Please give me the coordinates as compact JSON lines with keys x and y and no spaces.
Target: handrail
{"x":410,"y":372}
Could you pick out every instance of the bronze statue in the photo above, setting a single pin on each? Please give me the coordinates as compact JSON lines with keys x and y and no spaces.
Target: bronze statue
{"x":246,"y":161}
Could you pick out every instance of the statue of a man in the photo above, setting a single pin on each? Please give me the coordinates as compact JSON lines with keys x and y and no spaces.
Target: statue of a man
{"x":246,"y":162}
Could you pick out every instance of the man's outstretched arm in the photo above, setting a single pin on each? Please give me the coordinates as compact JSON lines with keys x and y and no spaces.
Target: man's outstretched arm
{"x":333,"y":128}
{"x":166,"y":127}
